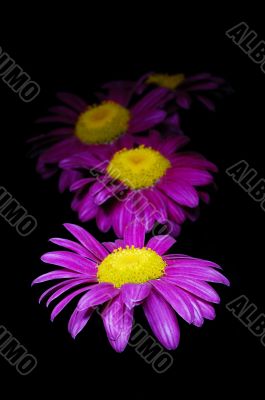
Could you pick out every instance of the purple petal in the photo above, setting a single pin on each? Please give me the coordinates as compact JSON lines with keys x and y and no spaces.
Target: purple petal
{"x":97,"y":295}
{"x":175,"y":212}
{"x":87,"y":240}
{"x":57,"y":286}
{"x":65,"y":288}
{"x":176,"y":298}
{"x":181,"y":260}
{"x":207,"y":309}
{"x":172,"y":144}
{"x":154,"y":99}
{"x":56,"y":118}
{"x":69,"y":244}
{"x":200,"y":273}
{"x":204,"y":86}
{"x":191,"y":176}
{"x":197,"y":288}
{"x":103,"y":220}
{"x":162,"y":320}
{"x":80,"y":183}
{"x":71,"y":261}
{"x":67,"y":178}
{"x":61,"y":110}
{"x":73,"y":101}
{"x":161,"y":243}
{"x":206,"y":102}
{"x":146,"y":121}
{"x":158,"y":206}
{"x":122,"y":216}
{"x":134,"y":234}
{"x":60,"y":306}
{"x":183,"y":100}
{"x":198,"y":318}
{"x":118,"y":320}
{"x":83,"y":160}
{"x":57,"y":274}
{"x":181,"y":192}
{"x":78,"y":321}
{"x":86,"y":207}
{"x":133,"y":294}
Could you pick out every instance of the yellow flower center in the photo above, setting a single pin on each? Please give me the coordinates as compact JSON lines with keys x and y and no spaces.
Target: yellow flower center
{"x":102,"y":123}
{"x":131,"y":265}
{"x":138,"y":168}
{"x":166,"y":81}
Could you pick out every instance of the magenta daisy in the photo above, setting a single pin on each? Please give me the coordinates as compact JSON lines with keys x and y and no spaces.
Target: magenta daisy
{"x":87,"y":125}
{"x":152,"y":182}
{"x":186,"y":88}
{"x":116,"y":277}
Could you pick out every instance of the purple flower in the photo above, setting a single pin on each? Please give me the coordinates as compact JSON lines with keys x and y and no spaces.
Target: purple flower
{"x":86,"y":127}
{"x":153,"y":183}
{"x":116,"y":277}
{"x":181,"y":90}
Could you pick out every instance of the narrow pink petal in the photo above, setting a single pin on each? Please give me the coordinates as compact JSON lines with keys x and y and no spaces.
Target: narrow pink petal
{"x":122,"y":216}
{"x":161,"y":243}
{"x":176,"y":298}
{"x":197,"y":288}
{"x":193,"y":176}
{"x":207,"y":310}
{"x":72,"y":100}
{"x":55,"y":275}
{"x":180,"y":191}
{"x":146,"y":121}
{"x":150,"y":101}
{"x":181,"y":260}
{"x":61,"y":110}
{"x":87,"y":240}
{"x":162,"y":320}
{"x":67,"y":287}
{"x":134,"y":234}
{"x":69,"y":244}
{"x":56,"y":118}
{"x":57,"y":286}
{"x":97,"y":295}
{"x":71,"y":261}
{"x":200,"y":273}
{"x":133,"y":294}
{"x":60,"y":306}
{"x":118,"y":320}
{"x":103,"y":220}
{"x":80,"y":183}
{"x":78,"y":321}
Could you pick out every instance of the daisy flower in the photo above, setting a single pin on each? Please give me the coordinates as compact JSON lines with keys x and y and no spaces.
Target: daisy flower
{"x":186,"y":88}
{"x":116,"y":277}
{"x":152,"y":182}
{"x":89,"y":126}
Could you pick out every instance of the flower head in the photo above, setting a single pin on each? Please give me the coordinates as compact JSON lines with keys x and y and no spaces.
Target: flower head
{"x":116,"y":277}
{"x":152,"y":182}
{"x":86,"y":127}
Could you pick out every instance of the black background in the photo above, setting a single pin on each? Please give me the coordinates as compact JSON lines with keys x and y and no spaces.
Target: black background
{"x":76,"y":54}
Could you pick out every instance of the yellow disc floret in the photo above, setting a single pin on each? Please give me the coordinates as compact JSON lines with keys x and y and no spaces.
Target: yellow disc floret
{"x":102,"y":123}
{"x":131,"y":265}
{"x":166,"y":81}
{"x":137,"y":168}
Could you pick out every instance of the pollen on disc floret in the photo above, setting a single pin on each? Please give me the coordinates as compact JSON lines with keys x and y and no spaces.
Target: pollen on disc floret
{"x":102,"y":123}
{"x":139,"y":167}
{"x":131,"y":265}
